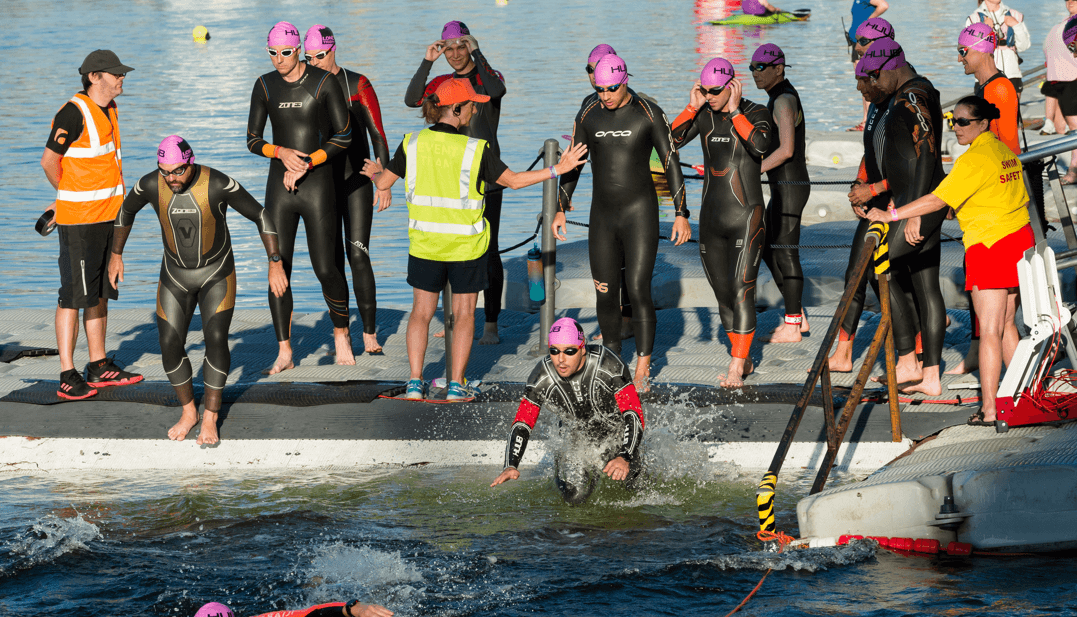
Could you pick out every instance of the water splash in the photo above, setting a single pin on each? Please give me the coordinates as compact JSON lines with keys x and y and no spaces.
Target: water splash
{"x":341,"y":571}
{"x":48,"y":539}
{"x":801,"y":560}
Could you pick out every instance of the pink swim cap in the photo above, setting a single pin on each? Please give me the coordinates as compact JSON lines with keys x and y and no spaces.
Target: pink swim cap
{"x":753,"y":7}
{"x":600,"y":50}
{"x":769,"y":53}
{"x":717,"y":73}
{"x":875,"y":28}
{"x":454,"y":30}
{"x":611,"y":70}
{"x":978,"y":36}
{"x":174,"y":150}
{"x":1069,"y":31}
{"x":319,"y":37}
{"x":214,"y":609}
{"x":283,"y":33}
{"x":883,"y":55}
{"x":566,"y":331}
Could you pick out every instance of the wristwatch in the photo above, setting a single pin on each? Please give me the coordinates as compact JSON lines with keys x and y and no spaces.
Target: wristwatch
{"x":348,"y":607}
{"x":274,"y":258}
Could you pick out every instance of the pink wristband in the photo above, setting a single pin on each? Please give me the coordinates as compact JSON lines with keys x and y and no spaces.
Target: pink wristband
{"x":893,"y":214}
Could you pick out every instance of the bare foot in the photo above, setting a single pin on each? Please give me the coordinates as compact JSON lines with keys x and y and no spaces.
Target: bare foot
{"x":186,"y":422}
{"x":489,"y":334}
{"x":739,"y":368}
{"x":208,"y":435}
{"x":642,"y":379}
{"x":370,"y":343}
{"x":924,"y":387}
{"x":283,"y":363}
{"x":785,"y":333}
{"x":842,"y":360}
{"x":908,"y":371}
{"x":342,"y":338}
{"x":804,"y":324}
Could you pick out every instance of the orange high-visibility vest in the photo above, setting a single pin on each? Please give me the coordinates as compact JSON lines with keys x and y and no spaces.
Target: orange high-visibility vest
{"x":91,"y":185}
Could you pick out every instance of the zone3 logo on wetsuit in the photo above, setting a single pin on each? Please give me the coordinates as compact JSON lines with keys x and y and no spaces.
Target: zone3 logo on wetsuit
{"x":592,"y":399}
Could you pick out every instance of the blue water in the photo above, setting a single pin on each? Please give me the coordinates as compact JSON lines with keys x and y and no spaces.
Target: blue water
{"x":429,"y":541}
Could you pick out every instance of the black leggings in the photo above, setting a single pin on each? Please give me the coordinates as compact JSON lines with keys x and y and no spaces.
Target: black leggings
{"x":783,"y":228}
{"x":632,"y":240}
{"x":730,"y":246}
{"x":314,"y":202}
{"x":212,"y":289}
{"x":495,"y":271}
{"x":358,"y":213}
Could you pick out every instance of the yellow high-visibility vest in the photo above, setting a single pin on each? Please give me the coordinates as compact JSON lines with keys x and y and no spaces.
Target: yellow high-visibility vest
{"x":445,"y":196}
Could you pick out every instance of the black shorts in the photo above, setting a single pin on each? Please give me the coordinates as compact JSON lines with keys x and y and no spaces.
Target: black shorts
{"x":467,"y":277}
{"x":1065,"y":92}
{"x":1018,"y":84}
{"x":84,"y":255}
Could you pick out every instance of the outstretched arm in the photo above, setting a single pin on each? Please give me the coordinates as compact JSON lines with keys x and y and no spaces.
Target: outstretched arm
{"x":526,"y":417}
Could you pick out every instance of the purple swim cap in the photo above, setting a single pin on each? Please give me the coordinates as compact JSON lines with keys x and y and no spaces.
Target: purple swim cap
{"x":600,"y":50}
{"x":753,"y":7}
{"x":978,"y":36}
{"x":454,"y":30}
{"x":875,"y":28}
{"x":566,"y":331}
{"x":883,"y":55}
{"x":174,"y":150}
{"x":214,"y":609}
{"x":1069,"y":31}
{"x":769,"y":53}
{"x":611,"y":70}
{"x":283,"y":33}
{"x":717,"y":73}
{"x":319,"y":37}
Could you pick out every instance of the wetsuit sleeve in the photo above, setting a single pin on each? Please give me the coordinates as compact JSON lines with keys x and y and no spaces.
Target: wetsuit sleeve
{"x":226,"y":189}
{"x":364,"y":104}
{"x":684,"y":128}
{"x":662,"y":136}
{"x":492,"y":81}
{"x":332,"y":609}
{"x":526,"y":417}
{"x":567,"y":184}
{"x":339,"y":119}
{"x":862,"y":173}
{"x":417,"y":88}
{"x":66,"y":128}
{"x":755,"y":129}
{"x":631,"y":410}
{"x":912,"y":155}
{"x":256,"y":121}
{"x":135,"y":201}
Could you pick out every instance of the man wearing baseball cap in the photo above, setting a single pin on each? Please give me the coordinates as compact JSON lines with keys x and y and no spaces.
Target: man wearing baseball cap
{"x":461,"y":51}
{"x":446,"y":173}
{"x":83,"y":163}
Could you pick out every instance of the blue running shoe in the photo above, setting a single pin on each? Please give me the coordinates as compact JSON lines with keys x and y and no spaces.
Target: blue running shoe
{"x":416,"y":390}
{"x":460,"y":391}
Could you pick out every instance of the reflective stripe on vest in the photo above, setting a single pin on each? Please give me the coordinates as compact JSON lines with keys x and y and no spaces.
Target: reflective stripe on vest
{"x":444,"y":196}
{"x":86,"y":196}
{"x":91,"y":183}
{"x":96,"y":147}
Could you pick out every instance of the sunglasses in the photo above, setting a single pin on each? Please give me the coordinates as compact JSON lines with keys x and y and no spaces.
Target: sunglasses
{"x":285,"y":53}
{"x":320,"y":55}
{"x":179,"y":171}
{"x":613,"y":88}
{"x":759,"y":68}
{"x":966,"y":121}
{"x":571,"y":351}
{"x":714,"y":91}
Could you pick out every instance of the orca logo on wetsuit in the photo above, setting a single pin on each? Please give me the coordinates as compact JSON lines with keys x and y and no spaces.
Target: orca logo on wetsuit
{"x":613,"y":134}
{"x":288,"y":104}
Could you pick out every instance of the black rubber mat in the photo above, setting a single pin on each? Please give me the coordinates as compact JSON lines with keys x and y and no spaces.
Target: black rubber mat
{"x":10,"y":353}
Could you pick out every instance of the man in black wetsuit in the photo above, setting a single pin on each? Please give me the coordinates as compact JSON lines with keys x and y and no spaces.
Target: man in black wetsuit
{"x":787,"y":169}
{"x":198,"y":270}
{"x":461,"y":51}
{"x":355,"y":194}
{"x":908,"y":152}
{"x":620,"y":129}
{"x":592,"y":393}
{"x":735,"y":134}
{"x":311,"y":125}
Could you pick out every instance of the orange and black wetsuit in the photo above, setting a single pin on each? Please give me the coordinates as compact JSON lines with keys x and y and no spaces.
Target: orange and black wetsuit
{"x":731,"y":226}
{"x":198,"y":268}
{"x":331,"y":609}
{"x":355,"y":192}
{"x":308,"y":115}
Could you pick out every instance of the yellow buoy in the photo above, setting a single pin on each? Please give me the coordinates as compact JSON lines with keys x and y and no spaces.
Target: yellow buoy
{"x":200,"y":34}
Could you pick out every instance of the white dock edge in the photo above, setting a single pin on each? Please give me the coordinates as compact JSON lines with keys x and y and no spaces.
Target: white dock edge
{"x":22,"y":455}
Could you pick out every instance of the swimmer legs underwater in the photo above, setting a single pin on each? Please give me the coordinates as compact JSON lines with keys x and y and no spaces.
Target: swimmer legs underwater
{"x":592,"y":392}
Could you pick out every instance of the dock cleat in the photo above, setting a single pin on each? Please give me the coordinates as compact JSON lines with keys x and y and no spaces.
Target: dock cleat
{"x":416,"y":390}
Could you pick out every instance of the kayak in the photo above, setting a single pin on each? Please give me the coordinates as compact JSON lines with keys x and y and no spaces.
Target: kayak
{"x":757,"y":20}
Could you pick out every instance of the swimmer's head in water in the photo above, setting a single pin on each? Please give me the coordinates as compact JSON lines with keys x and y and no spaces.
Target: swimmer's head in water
{"x":283,"y":33}
{"x":716,"y":74}
{"x":319,"y":38}
{"x":979,"y":37}
{"x":884,"y":55}
{"x":174,"y":150}
{"x":214,"y":609}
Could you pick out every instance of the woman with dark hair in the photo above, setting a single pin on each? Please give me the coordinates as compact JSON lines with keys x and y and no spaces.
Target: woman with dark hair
{"x":986,"y":189}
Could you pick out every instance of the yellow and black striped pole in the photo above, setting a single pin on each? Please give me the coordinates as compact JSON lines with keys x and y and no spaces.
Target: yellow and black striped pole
{"x":764,"y":500}
{"x":882,"y":249}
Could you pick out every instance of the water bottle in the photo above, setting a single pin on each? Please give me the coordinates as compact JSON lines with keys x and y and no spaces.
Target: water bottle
{"x":536,"y":287}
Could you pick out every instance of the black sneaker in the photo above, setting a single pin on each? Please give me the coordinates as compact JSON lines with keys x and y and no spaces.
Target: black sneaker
{"x":106,"y":373}
{"x":73,"y":387}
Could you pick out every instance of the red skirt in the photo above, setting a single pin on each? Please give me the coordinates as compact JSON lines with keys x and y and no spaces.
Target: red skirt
{"x":996,"y":267}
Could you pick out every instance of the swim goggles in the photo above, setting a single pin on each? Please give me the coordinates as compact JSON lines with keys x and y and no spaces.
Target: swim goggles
{"x":760,"y":66}
{"x":864,"y":41}
{"x":320,"y":55}
{"x":714,"y":91}
{"x":285,"y":53}
{"x":590,"y":69}
{"x":1072,"y":47}
{"x":571,"y":351}
{"x":612,"y":88}
{"x":963,"y":51}
{"x":966,"y":121}
{"x":177,"y":172}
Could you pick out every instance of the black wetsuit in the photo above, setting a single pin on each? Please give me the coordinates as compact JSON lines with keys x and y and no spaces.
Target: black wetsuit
{"x":786,"y":206}
{"x":624,"y":208}
{"x":198,"y":268}
{"x":731,"y":225}
{"x":355,"y":192}
{"x":483,"y":125}
{"x":308,"y":115}
{"x":599,"y":403}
